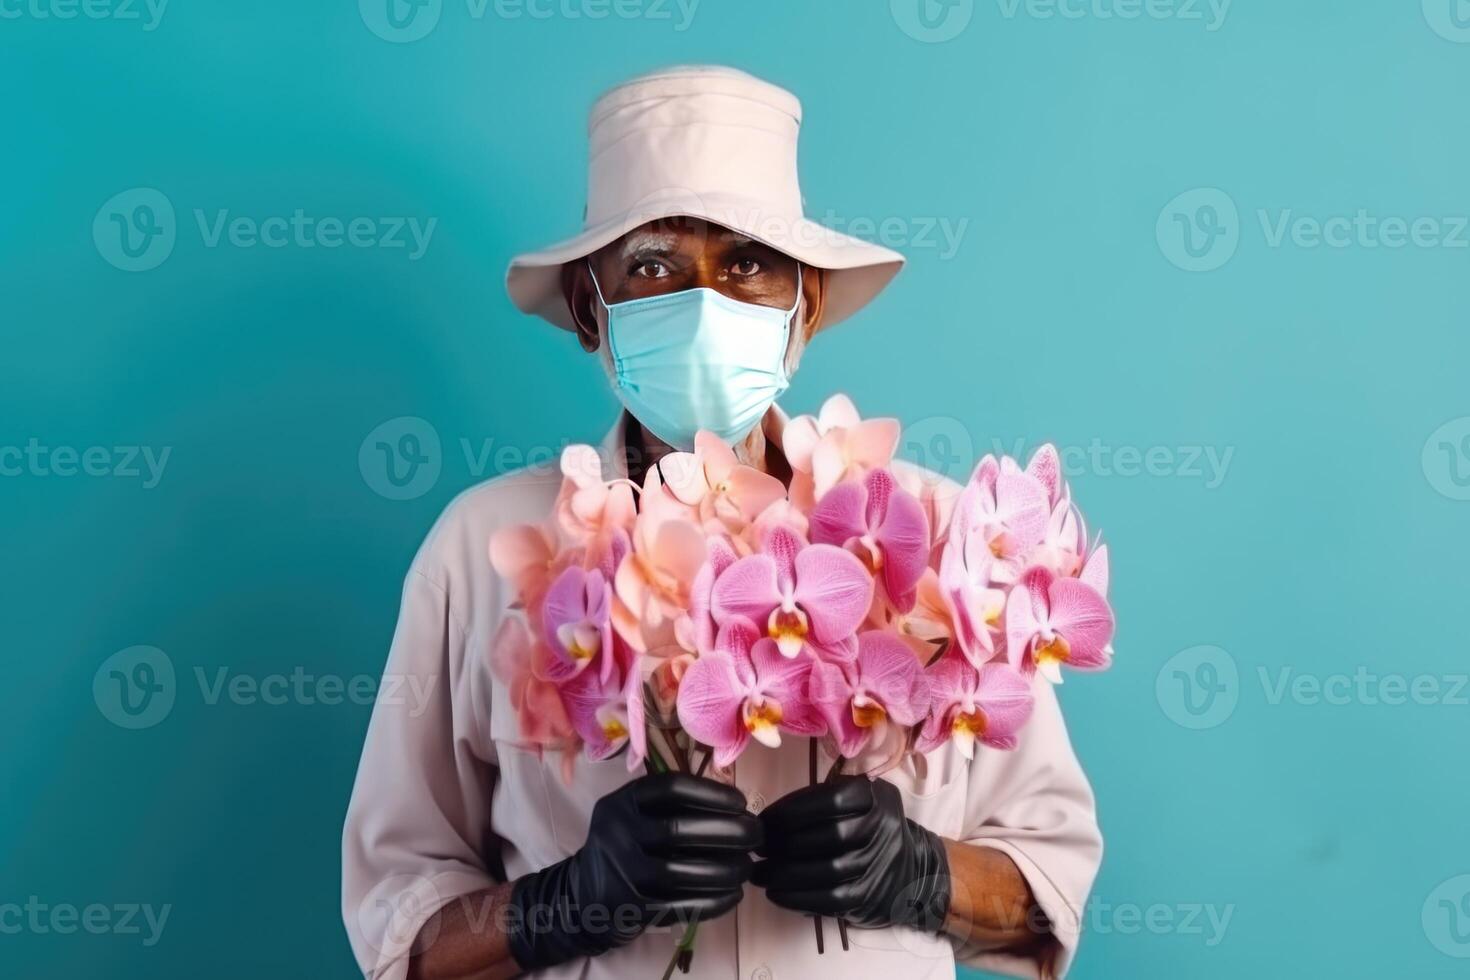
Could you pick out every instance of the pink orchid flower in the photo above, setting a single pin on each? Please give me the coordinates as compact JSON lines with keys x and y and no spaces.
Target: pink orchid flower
{"x":608,"y":712}
{"x":989,"y":705}
{"x":589,"y":506}
{"x":883,"y":525}
{"x":1095,"y":570}
{"x":798,"y":593}
{"x":1009,"y":508}
{"x":576,"y":623}
{"x":936,"y":494}
{"x":927,"y":627}
{"x":516,"y":662}
{"x":526,"y":556}
{"x":884,"y":683}
{"x":974,"y":606}
{"x":1045,"y":468}
{"x":745,"y":689}
{"x":720,"y":488}
{"x":835,"y":445}
{"x":697,"y":631}
{"x":967,"y":574}
{"x":668,"y":549}
{"x":1051,"y":621}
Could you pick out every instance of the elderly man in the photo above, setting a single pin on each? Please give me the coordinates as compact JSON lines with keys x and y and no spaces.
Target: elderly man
{"x":697,"y":283}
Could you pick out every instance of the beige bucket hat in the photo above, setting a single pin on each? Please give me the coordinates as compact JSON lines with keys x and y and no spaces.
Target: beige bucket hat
{"x":708,"y":142}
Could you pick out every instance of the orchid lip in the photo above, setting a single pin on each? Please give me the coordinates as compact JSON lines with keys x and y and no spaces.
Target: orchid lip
{"x":788,"y":628}
{"x":579,"y":639}
{"x":762,"y":719}
{"x":866,"y":713}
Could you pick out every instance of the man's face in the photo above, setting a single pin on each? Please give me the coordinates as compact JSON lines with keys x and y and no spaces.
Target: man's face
{"x":676,"y":254}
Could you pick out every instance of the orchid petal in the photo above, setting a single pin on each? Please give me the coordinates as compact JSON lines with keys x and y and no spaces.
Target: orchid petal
{"x":835,"y":590}
{"x":709,"y":701}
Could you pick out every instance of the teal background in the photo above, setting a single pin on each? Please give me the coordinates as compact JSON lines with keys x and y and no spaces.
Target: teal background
{"x":1334,"y":541}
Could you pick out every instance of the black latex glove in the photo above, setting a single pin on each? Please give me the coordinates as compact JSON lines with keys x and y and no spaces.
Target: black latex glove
{"x":660,"y":850}
{"x":845,"y":849}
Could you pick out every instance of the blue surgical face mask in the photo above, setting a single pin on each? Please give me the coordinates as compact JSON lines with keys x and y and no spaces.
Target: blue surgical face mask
{"x":697,"y":359}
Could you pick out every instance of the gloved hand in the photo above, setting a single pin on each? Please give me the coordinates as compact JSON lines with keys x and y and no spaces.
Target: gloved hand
{"x":844,"y":848}
{"x":661,"y":850}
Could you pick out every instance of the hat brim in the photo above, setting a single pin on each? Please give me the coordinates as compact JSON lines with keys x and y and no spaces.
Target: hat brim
{"x":857,"y":270}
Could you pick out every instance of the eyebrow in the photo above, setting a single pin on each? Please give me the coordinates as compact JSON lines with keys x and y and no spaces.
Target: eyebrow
{"x":649,"y":243}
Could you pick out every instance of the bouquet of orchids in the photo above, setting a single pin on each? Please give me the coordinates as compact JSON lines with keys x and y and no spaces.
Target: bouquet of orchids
{"x":864,"y":604}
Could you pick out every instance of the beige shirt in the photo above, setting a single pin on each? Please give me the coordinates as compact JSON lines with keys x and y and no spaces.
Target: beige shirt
{"x":446,"y":800}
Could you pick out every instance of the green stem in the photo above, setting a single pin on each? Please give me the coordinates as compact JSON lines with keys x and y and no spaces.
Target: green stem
{"x":654,"y":762}
{"x":685,"y":945}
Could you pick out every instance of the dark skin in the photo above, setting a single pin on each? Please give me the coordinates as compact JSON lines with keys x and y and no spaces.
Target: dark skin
{"x":992,"y":906}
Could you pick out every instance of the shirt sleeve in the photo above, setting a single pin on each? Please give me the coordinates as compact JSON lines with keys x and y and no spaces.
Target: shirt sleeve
{"x":416,"y":832}
{"x":1034,"y":804}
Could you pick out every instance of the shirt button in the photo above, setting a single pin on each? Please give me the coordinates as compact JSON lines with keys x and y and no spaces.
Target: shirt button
{"x":761,"y":972}
{"x":755,"y":803}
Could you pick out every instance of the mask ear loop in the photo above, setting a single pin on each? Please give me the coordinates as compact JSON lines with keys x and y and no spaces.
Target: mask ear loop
{"x":790,"y":316}
{"x":596,"y":286}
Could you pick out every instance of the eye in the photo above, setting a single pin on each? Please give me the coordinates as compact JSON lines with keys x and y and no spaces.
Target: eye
{"x":650,"y":269}
{"x":745,"y":267}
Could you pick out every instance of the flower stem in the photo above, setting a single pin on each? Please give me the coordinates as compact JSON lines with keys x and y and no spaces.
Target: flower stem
{"x":683,"y":951}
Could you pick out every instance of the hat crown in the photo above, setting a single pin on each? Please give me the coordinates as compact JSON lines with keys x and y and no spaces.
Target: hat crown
{"x":701,"y":133}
